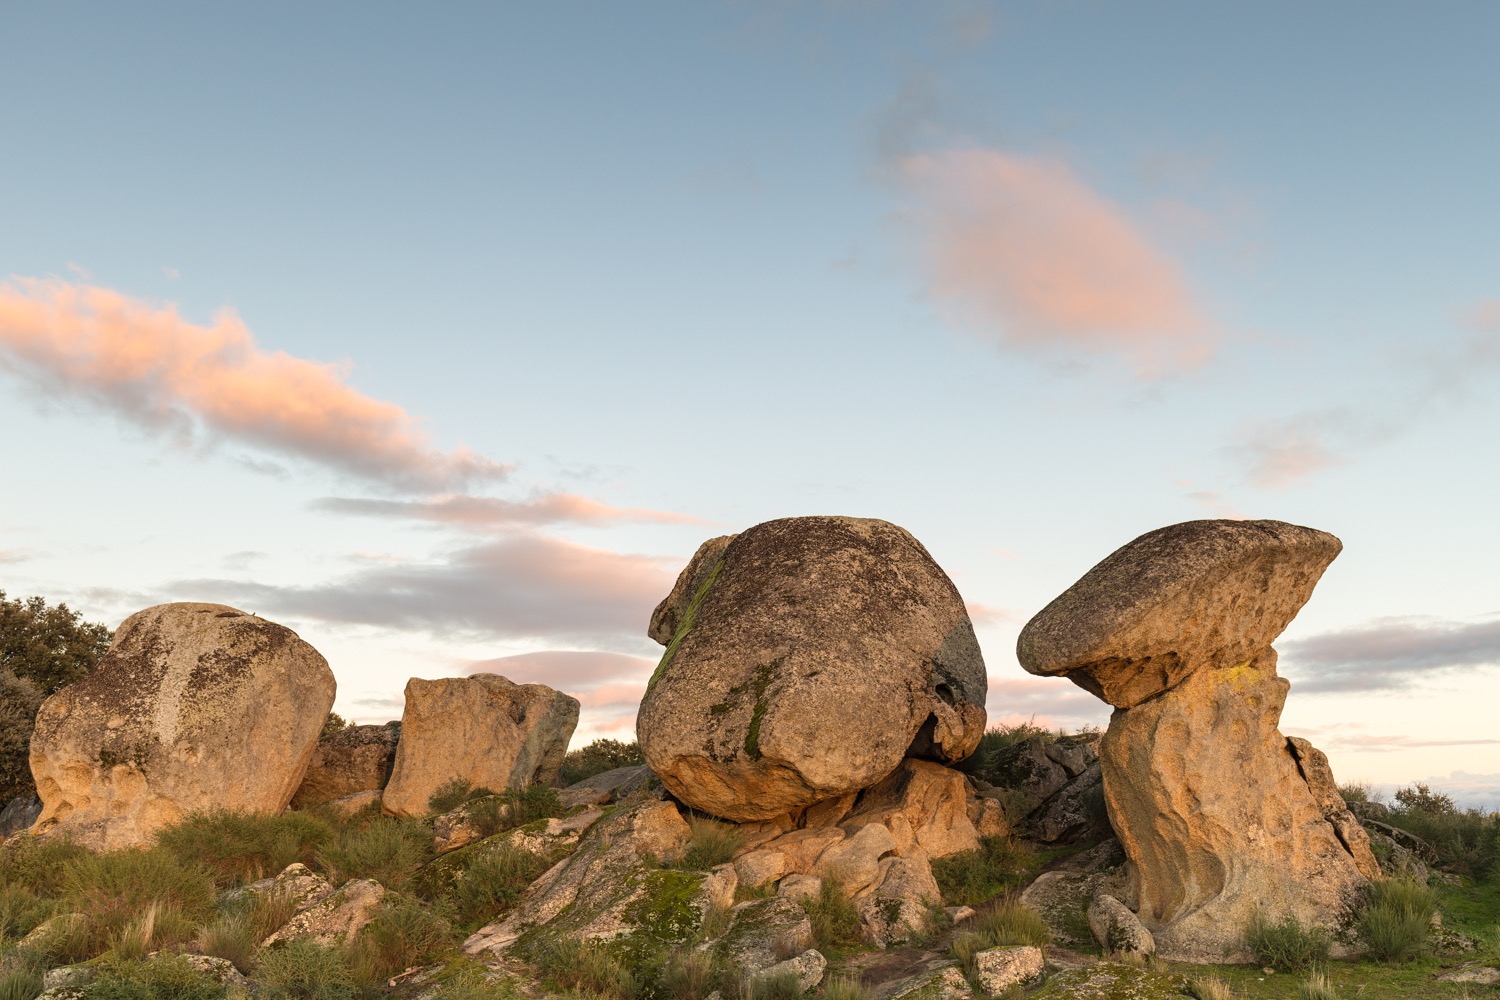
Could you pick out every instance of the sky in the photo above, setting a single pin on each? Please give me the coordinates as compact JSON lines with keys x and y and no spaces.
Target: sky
{"x":444,"y":333}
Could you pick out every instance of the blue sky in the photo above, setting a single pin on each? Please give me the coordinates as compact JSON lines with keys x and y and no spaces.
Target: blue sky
{"x":444,"y":335}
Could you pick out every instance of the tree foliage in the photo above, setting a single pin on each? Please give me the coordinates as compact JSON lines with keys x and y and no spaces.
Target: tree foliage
{"x":42,"y":649}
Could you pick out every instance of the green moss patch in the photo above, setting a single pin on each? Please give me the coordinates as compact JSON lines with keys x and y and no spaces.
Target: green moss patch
{"x":685,"y":626}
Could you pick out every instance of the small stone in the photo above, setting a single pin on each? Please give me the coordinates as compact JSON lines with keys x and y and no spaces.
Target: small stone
{"x":808,"y":967}
{"x":759,"y":867}
{"x":998,"y":969}
{"x":1117,"y":929}
{"x":800,"y":887}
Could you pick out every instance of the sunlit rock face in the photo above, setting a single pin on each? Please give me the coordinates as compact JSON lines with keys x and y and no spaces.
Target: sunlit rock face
{"x":1217,"y":814}
{"x":806,"y":658}
{"x":485,"y":729}
{"x":194,"y":707}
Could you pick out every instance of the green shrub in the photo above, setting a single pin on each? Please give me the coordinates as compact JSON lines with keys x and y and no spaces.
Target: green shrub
{"x":21,"y":978}
{"x":162,"y":978}
{"x":1011,"y":922}
{"x":713,"y":843}
{"x":386,"y":849}
{"x":1316,"y":987}
{"x":402,"y":933}
{"x":37,"y":863}
{"x":116,"y":890}
{"x":1420,"y":798}
{"x":974,"y":877}
{"x":1357,"y":791}
{"x":1286,"y":945}
{"x":835,"y":921}
{"x":453,"y":793}
{"x":514,"y":807}
{"x":688,"y":975}
{"x":243,"y":847}
{"x":305,"y":970}
{"x":1464,"y":841}
{"x":1398,"y":919}
{"x":598,"y":757}
{"x":493,"y":883}
{"x":574,"y":964}
{"x":20,"y":911}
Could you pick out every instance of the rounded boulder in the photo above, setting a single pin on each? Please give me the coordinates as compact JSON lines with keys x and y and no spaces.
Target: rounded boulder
{"x":807,"y":657}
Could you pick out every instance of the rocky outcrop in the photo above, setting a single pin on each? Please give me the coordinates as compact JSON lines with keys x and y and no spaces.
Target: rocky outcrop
{"x":19,"y":814}
{"x":1117,"y":929}
{"x":333,"y":918}
{"x":1207,"y":797}
{"x":1000,"y":969}
{"x":485,"y":729}
{"x":194,"y":707}
{"x":807,"y":657}
{"x":352,"y":760}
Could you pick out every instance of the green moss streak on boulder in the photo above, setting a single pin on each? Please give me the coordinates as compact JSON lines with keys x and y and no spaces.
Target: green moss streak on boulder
{"x":685,"y":626}
{"x":763,"y":678}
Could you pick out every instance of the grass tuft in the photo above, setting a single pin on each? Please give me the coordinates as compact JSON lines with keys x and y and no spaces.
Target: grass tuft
{"x":241,"y":846}
{"x":386,"y":849}
{"x":582,"y":965}
{"x":1208,"y":988}
{"x":835,"y":922}
{"x":974,"y":877}
{"x":713,"y":843}
{"x":1316,"y":987}
{"x":1398,"y":920}
{"x":453,"y":793}
{"x":1286,"y":945}
{"x":305,"y":970}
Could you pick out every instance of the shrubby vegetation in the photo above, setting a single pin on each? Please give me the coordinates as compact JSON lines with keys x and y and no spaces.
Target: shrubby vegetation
{"x":42,"y":648}
{"x":598,"y":757}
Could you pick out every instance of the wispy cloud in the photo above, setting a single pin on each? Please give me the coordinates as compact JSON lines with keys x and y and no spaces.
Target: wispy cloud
{"x":197,"y":383}
{"x":519,"y":587}
{"x":1353,"y":737}
{"x":1388,"y":654}
{"x":608,"y":685}
{"x":465,"y":511}
{"x":1282,"y":452}
{"x":1021,"y":250}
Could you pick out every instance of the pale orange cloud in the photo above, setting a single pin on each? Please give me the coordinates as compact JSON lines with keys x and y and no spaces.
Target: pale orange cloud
{"x":465,"y":511}
{"x":1020,"y":249}
{"x":149,"y":364}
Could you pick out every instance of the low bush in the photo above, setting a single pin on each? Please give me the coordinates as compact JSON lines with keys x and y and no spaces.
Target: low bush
{"x":1286,"y":945}
{"x":21,"y":979}
{"x":1357,"y":791}
{"x":598,"y":757}
{"x":688,"y":975}
{"x":242,"y":846}
{"x":514,"y":807}
{"x":1465,"y":841}
{"x":236,"y":933}
{"x":1396,"y":923}
{"x":305,"y":970}
{"x":713,"y":843}
{"x":116,"y":889}
{"x":1012,"y":922}
{"x":386,"y":849}
{"x":493,"y":883}
{"x":37,"y":864}
{"x":974,"y":877}
{"x":573,"y":964}
{"x":835,"y":921}
{"x":403,"y":933}
{"x":164,"y":978}
{"x":453,"y":793}
{"x":20,"y":911}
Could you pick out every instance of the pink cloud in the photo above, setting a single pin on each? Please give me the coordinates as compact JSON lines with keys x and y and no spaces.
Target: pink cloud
{"x":1022,"y":250}
{"x":567,"y":669}
{"x":150,"y":365}
{"x":465,"y":511}
{"x":988,"y":614}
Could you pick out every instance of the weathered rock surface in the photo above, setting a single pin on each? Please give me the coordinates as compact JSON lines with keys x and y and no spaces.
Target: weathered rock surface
{"x":812,"y":655}
{"x":1111,"y":981}
{"x":483,"y":728}
{"x":332,"y":918}
{"x":901,"y":905}
{"x":924,"y":806}
{"x":609,"y":887}
{"x":1207,"y":797}
{"x":296,"y":882}
{"x":1062,"y":895}
{"x":760,"y":931}
{"x":940,"y":980}
{"x":19,"y":814}
{"x":1175,"y":600}
{"x":807,"y":969}
{"x":1312,"y":764}
{"x":1118,"y":930}
{"x":194,"y":707}
{"x":352,"y":760}
{"x":998,"y":969}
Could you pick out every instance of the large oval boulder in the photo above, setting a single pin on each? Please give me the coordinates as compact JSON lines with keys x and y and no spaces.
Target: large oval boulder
{"x":485,"y":729}
{"x":806,"y":658}
{"x":194,"y":707}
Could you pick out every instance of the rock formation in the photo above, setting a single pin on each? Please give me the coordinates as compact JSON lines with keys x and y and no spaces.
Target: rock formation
{"x":806,"y":658}
{"x":485,"y":729}
{"x":356,"y":759}
{"x":195,"y":706}
{"x":1216,"y":817}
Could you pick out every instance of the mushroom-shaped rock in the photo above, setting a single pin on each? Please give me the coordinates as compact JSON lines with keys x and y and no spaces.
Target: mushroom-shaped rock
{"x":806,"y":658}
{"x":1190,"y":595}
{"x":194,"y":706}
{"x":1217,"y":820}
{"x":485,"y":729}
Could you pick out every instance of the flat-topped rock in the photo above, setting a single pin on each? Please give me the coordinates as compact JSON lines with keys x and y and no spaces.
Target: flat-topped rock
{"x":1175,"y":600}
{"x":809,"y":656}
